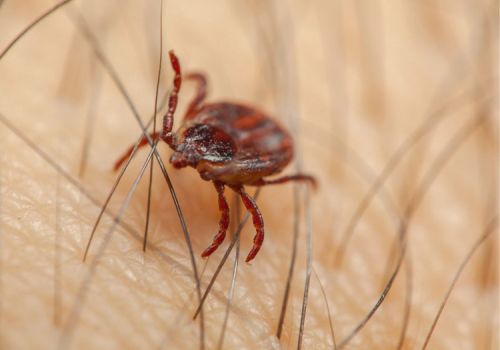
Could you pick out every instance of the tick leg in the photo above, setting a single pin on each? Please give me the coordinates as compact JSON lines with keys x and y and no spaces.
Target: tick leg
{"x":168,"y":119}
{"x":143,"y":142}
{"x":258,"y":221}
{"x":223,"y":222}
{"x":201,"y":93}
{"x":284,"y":179}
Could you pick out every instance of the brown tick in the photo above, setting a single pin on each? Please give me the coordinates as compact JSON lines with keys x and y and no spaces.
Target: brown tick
{"x":229,"y":144}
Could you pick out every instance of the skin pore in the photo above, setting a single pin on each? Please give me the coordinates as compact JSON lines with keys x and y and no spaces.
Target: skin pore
{"x":353,"y":83}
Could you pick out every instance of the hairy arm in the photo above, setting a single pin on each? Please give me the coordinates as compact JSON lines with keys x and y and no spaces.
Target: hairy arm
{"x":443,"y":187}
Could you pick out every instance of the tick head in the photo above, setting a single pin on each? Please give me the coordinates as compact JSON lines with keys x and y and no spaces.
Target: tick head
{"x":202,"y":142}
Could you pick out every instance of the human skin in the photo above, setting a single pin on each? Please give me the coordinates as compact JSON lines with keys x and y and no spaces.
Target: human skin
{"x":350,"y":108}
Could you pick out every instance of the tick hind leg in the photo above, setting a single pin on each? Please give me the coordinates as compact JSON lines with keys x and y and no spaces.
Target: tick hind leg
{"x":297,"y":177}
{"x":143,"y":142}
{"x":258,"y":221}
{"x":223,"y":222}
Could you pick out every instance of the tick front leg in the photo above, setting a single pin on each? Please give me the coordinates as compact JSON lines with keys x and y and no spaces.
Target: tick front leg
{"x":143,"y":142}
{"x":284,"y":179}
{"x":258,"y":221}
{"x":168,"y":119}
{"x":223,"y":222}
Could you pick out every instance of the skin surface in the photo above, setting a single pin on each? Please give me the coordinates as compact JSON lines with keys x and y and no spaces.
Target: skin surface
{"x":351,"y":81}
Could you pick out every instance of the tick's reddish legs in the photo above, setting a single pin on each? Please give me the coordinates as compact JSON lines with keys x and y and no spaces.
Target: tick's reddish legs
{"x":258,"y":221}
{"x":201,"y":93}
{"x":223,"y":222}
{"x":143,"y":142}
{"x":168,"y":120}
{"x":280,"y":180}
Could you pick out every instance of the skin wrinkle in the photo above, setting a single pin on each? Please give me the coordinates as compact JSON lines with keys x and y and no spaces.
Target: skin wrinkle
{"x":136,"y":298}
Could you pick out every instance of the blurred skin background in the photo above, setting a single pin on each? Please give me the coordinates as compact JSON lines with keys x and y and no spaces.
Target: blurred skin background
{"x":393,"y":107}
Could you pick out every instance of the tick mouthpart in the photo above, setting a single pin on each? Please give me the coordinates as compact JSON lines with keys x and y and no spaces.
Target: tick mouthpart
{"x":178,"y":161}
{"x":182,"y":160}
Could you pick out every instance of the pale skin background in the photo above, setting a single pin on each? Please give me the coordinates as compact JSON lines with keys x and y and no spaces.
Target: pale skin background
{"x":352,"y":79}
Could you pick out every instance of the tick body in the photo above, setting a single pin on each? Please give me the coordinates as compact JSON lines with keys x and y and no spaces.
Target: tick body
{"x":229,"y":144}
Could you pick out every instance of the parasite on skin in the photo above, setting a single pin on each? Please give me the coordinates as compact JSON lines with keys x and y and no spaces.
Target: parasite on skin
{"x":230,"y":145}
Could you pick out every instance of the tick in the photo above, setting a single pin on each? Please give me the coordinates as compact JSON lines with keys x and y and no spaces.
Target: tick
{"x":229,"y":144}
